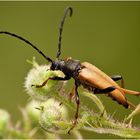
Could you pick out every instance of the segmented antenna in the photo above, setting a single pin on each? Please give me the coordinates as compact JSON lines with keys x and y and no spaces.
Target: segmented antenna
{"x":33,"y":46}
{"x":69,"y":9}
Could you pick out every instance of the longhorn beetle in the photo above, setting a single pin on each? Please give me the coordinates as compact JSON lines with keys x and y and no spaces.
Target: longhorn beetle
{"x":84,"y":74}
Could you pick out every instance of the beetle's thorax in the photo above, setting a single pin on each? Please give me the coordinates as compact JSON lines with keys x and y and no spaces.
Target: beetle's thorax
{"x":69,"y":67}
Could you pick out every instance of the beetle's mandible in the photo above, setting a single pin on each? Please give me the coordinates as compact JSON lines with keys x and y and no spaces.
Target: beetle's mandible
{"x":84,"y":74}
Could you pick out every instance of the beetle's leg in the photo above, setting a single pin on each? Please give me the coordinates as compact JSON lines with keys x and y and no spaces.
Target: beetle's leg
{"x":118,"y":77}
{"x":67,"y":58}
{"x":52,"y":78}
{"x":43,"y":84}
{"x":77,"y":108}
{"x":130,"y":91}
{"x":72,"y":93}
{"x":102,"y":91}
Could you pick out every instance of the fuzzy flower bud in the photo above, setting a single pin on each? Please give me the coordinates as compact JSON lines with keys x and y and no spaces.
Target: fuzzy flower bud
{"x":53,"y":116}
{"x":37,"y":76}
{"x":32,"y":111}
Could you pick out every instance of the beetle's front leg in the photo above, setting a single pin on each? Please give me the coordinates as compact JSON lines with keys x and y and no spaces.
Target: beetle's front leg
{"x":72,"y":93}
{"x":118,"y":77}
{"x":52,"y":78}
{"x":77,"y":108}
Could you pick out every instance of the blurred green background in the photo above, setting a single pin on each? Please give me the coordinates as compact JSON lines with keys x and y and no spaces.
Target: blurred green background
{"x":106,"y":34}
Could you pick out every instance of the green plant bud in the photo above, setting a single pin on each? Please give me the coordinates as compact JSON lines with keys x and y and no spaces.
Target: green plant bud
{"x":53,"y":116}
{"x":32,"y":111}
{"x":37,"y":76}
{"x":4,"y":122}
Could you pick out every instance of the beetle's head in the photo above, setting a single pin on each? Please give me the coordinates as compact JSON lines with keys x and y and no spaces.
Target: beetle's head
{"x":57,"y":65}
{"x":54,"y":65}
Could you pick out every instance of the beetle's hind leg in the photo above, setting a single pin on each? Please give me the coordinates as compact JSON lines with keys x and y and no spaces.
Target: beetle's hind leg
{"x":102,"y":91}
{"x":117,"y":78}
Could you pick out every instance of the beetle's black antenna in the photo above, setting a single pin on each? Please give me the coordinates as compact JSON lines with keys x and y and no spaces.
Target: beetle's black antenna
{"x":33,"y":46}
{"x":69,"y":9}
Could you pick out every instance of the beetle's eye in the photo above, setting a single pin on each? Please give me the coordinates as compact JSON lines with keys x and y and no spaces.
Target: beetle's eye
{"x":52,"y":67}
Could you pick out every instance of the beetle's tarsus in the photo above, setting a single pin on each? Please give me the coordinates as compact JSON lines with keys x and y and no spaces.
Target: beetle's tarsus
{"x":37,"y":86}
